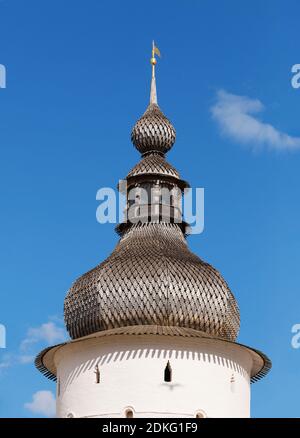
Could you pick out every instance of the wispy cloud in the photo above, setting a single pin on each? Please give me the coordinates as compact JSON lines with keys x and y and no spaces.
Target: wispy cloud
{"x":237,"y":118}
{"x":5,"y":361}
{"x":26,"y":358}
{"x":48,"y":332}
{"x":43,"y":402}
{"x":51,"y":332}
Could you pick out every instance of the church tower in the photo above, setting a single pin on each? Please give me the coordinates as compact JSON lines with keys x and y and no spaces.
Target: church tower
{"x":153,"y":328}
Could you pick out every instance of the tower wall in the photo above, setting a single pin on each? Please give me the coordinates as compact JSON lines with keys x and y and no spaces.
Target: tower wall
{"x":207,"y":376}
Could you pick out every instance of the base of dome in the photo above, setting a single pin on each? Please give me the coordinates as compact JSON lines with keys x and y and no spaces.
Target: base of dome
{"x":45,"y":361}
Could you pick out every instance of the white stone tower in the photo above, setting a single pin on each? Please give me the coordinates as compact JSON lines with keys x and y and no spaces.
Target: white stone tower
{"x":153,"y":328}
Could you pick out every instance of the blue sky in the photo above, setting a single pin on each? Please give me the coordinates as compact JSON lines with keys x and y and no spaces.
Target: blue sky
{"x":77,"y":79}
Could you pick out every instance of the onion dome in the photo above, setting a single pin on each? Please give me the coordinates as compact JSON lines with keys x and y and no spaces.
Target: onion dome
{"x":153,"y":132}
{"x":152,"y":278}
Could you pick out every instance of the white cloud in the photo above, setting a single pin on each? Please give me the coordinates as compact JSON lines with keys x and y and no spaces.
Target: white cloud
{"x":43,"y":402}
{"x":236,"y":118}
{"x":26,"y":358}
{"x":36,"y":338}
{"x":48,"y":332}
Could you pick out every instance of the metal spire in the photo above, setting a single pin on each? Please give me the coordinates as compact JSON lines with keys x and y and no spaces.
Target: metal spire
{"x":153,"y":61}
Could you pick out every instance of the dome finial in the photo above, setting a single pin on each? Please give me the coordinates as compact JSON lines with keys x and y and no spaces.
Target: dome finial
{"x":153,"y":94}
{"x":153,"y":132}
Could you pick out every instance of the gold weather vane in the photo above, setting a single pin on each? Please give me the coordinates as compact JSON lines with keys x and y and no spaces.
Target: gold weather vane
{"x":153,"y":61}
{"x":155,"y":51}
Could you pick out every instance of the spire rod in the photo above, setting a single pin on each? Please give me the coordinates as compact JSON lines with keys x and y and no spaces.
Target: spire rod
{"x":153,"y":61}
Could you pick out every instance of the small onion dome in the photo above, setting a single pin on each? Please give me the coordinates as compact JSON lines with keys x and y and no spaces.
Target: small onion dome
{"x":153,"y":132}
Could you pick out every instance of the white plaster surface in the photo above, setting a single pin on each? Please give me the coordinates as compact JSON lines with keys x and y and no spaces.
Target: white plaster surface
{"x":208,"y":376}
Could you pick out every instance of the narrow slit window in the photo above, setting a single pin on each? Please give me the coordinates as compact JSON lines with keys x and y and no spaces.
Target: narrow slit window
{"x":97,"y":374}
{"x":168,"y":373}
